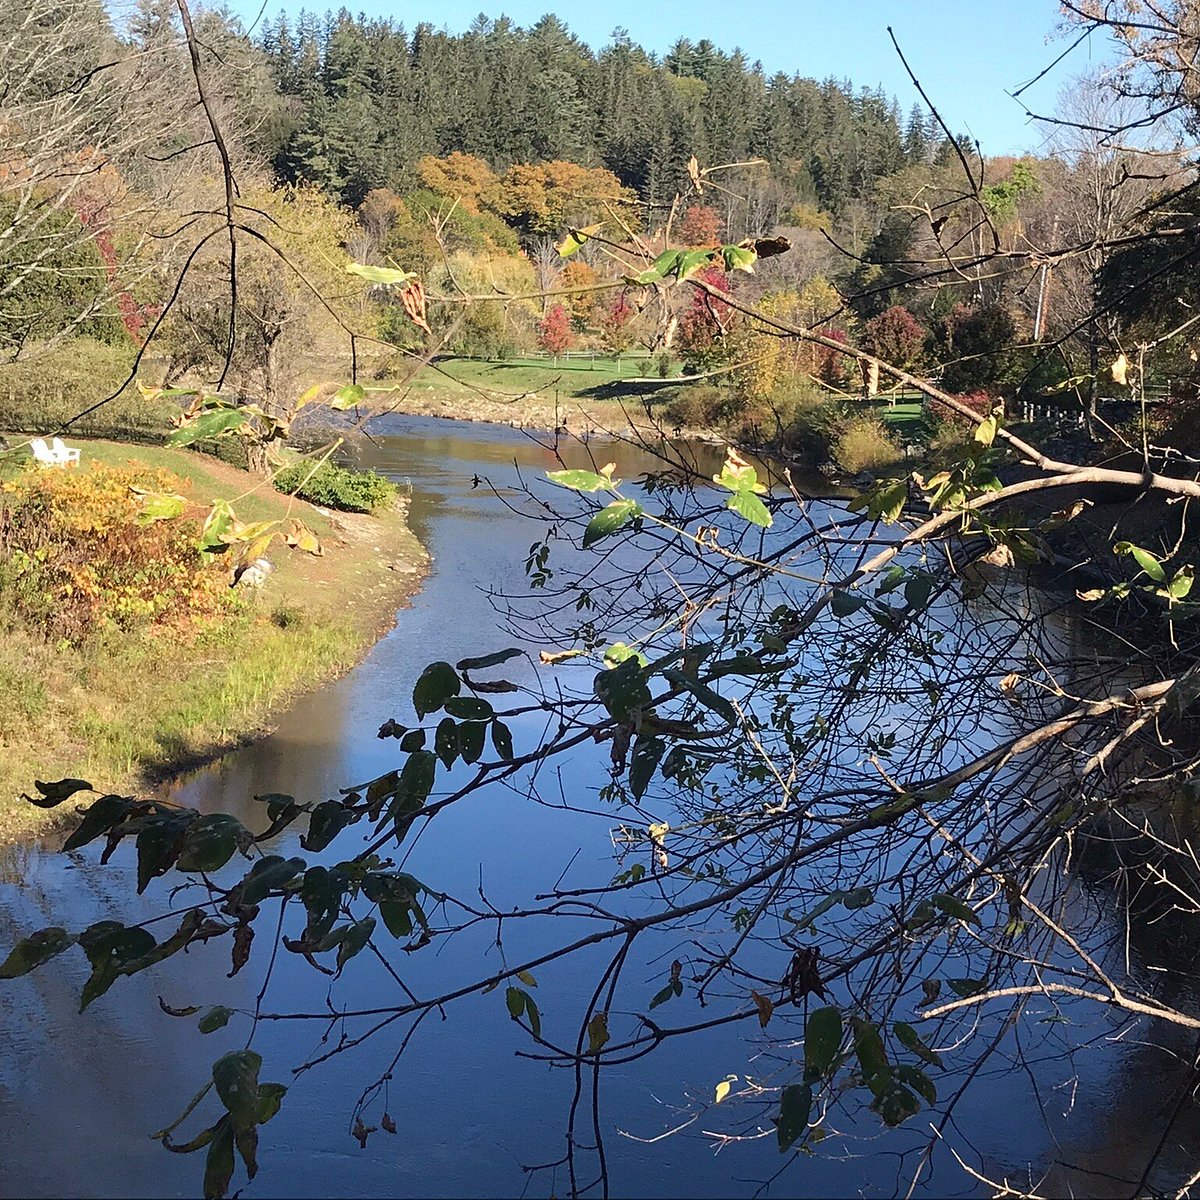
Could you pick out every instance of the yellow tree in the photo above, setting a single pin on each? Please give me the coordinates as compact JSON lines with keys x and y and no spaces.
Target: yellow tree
{"x":548,"y":197}
{"x":457,"y":176}
{"x":290,"y":311}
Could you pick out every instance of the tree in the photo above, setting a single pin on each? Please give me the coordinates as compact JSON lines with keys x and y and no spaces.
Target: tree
{"x":545,"y":198}
{"x":459,"y":177}
{"x":700,"y":226}
{"x":260,"y":349}
{"x":895,"y":334}
{"x":616,"y":323}
{"x":554,"y":330}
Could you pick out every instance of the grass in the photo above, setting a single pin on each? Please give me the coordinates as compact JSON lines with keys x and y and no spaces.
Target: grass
{"x":125,"y":712}
{"x":583,"y":394}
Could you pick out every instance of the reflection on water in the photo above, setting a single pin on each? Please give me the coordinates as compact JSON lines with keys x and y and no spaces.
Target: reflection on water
{"x":470,"y":1114}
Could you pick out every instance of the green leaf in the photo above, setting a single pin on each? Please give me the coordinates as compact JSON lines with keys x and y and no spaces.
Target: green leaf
{"x":739,"y":258}
{"x":235,"y":1076}
{"x":844,"y":603}
{"x":582,"y":481}
{"x":868,"y":1046}
{"x":397,"y":918}
{"x":514,"y":999}
{"x":469,"y":708}
{"x":53,"y":794}
{"x":212,"y":424}
{"x":502,"y":740}
{"x":470,"y":740}
{"x":609,"y":519}
{"x":216,"y":1018}
{"x":575,"y":239}
{"x":895,"y":1103}
{"x":918,"y":1081}
{"x":159,"y":506}
{"x":822,"y":1039}
{"x":157,"y":844}
{"x":321,"y":894}
{"x":535,"y":1017}
{"x":663,"y":995}
{"x":647,"y":754}
{"x":384,"y":275}
{"x":218,"y":1165}
{"x":34,"y":950}
{"x":749,"y":506}
{"x":952,"y":906}
{"x":985,"y":433}
{"x":349,"y":396}
{"x":328,"y":819}
{"x":109,"y":947}
{"x":910,"y":1038}
{"x":99,"y":818}
{"x":691,"y":262}
{"x":489,"y":660}
{"x":437,"y":684}
{"x":704,"y":694}
{"x":209,"y":843}
{"x":267,"y":875}
{"x":445,"y":741}
{"x":1181,"y":582}
{"x":666,"y":262}
{"x":794,"y":1108}
{"x":354,"y":939}
{"x":1144,"y":559}
{"x":417,"y":776}
{"x":623,"y":689}
{"x":967,"y":987}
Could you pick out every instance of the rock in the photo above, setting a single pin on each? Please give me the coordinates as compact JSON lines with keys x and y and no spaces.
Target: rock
{"x":253,"y":575}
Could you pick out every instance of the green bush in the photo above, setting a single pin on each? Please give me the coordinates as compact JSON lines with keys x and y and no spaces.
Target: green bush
{"x":863,"y":443}
{"x":699,"y":406}
{"x":41,"y":392}
{"x":332,"y":486}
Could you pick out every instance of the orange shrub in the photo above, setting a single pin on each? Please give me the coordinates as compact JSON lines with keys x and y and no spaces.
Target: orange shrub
{"x":78,"y":555}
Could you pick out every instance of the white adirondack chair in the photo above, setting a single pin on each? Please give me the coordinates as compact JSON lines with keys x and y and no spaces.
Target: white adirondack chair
{"x":67,"y":456}
{"x":42,"y":454}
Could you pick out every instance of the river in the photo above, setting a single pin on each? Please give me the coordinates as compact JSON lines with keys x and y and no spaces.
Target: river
{"x":80,"y":1094}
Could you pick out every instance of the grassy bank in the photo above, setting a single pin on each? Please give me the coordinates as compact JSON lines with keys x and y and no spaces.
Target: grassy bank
{"x":127,"y":710}
{"x":586,"y":394}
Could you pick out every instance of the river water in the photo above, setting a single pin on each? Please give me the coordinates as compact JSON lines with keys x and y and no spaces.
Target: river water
{"x":80,"y":1094}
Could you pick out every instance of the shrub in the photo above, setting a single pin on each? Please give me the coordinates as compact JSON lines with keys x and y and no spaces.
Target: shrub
{"x":863,"y":443}
{"x":699,"y":405}
{"x":77,"y":555}
{"x":41,"y":392}
{"x":332,"y":486}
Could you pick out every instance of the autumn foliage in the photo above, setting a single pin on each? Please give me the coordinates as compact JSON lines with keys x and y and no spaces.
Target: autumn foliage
{"x":554,"y":331}
{"x":79,"y":555}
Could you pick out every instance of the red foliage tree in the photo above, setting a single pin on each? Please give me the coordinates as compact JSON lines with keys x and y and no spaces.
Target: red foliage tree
{"x":706,"y":318}
{"x":896,"y":336}
{"x":700,"y":226}
{"x":615,"y":322}
{"x":554,"y":331}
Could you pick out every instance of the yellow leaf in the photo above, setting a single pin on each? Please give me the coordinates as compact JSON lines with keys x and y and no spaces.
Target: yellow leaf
{"x":309,"y":396}
{"x":1120,"y":369}
{"x":597,"y":1033}
{"x":301,"y":537}
{"x":549,"y":658}
{"x":258,"y":548}
{"x":723,"y":1089}
{"x":765,"y":1008}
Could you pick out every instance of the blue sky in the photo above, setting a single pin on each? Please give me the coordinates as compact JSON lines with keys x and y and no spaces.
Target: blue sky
{"x":966,"y":53}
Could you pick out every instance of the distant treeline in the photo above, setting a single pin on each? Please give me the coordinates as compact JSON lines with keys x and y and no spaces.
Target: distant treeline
{"x":365,"y":100}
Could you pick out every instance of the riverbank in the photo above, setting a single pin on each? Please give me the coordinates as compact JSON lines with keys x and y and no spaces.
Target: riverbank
{"x":127,"y":712}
